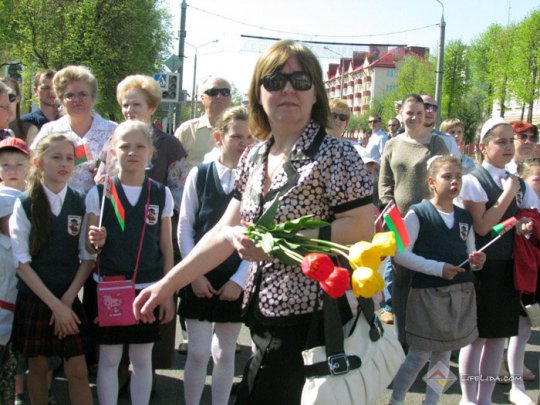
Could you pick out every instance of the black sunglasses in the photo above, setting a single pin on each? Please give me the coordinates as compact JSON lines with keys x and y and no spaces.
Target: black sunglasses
{"x":433,"y":107}
{"x":523,"y":136}
{"x":213,"y":92}
{"x":373,"y":121}
{"x":300,"y":81}
{"x":341,"y":117}
{"x":12,"y":97}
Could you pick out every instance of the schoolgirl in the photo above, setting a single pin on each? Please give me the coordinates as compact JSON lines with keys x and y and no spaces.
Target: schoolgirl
{"x":211,"y":304}
{"x":148,"y":209}
{"x":441,"y":308}
{"x":491,"y":195}
{"x":47,"y":241}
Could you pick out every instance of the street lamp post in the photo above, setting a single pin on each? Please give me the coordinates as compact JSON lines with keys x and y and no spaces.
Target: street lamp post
{"x":440,"y":59}
{"x":342,"y":65}
{"x":194,"y":89}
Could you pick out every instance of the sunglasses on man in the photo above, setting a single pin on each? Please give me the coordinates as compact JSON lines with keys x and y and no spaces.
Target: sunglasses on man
{"x":374,"y":121}
{"x":300,"y":81}
{"x":12,"y":97}
{"x":523,"y":136}
{"x":338,"y":116}
{"x":432,"y":107}
{"x":213,"y":92}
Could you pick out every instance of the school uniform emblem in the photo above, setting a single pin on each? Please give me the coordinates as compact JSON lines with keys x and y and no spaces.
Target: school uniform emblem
{"x":153,"y":214}
{"x":463,"y":230}
{"x":74,"y":224}
{"x":519,"y":198}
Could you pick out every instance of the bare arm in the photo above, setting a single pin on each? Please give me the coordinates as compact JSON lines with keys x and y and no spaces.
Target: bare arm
{"x":167,"y":312}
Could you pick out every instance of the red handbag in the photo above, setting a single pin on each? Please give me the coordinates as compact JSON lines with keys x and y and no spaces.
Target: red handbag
{"x":115,"y":297}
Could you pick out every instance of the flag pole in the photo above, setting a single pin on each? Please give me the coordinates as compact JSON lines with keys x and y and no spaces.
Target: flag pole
{"x":484,"y":247}
{"x":384,"y":211}
{"x":105,"y":185}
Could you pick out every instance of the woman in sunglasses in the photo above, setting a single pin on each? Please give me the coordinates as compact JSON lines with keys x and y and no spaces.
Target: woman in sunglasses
{"x":5,"y":111}
{"x":340,"y":114}
{"x":525,"y":139}
{"x":20,"y":128}
{"x":313,"y":173}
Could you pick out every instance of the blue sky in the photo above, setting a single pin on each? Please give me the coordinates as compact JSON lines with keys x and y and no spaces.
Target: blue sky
{"x":357,"y":21}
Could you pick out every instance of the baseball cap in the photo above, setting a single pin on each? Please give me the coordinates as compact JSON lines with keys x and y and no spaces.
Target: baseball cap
{"x":14,"y":143}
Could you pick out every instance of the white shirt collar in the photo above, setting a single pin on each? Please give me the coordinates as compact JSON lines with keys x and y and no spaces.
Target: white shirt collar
{"x":495,"y":172}
{"x":56,"y":200}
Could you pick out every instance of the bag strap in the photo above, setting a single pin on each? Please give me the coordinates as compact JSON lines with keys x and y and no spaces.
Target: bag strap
{"x":141,"y":240}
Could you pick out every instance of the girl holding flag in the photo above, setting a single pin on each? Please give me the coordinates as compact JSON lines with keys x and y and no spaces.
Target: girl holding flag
{"x":442,"y":292}
{"x":45,"y":230}
{"x":491,"y":196}
{"x":136,"y":221}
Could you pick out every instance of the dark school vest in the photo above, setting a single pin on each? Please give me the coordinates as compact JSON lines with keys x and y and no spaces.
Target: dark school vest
{"x":119,"y":254}
{"x":58,"y":260}
{"x":437,"y":242}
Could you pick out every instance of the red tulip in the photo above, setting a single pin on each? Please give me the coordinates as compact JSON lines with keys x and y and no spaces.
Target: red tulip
{"x":317,"y":266}
{"x":337,"y":283}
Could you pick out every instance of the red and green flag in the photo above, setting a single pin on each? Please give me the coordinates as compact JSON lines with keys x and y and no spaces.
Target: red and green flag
{"x":395,"y":223}
{"x":81,"y":154}
{"x":503,"y":227}
{"x":112,"y":194}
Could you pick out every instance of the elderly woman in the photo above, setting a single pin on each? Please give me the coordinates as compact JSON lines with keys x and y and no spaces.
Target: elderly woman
{"x":20,"y":128}
{"x":76,"y":91}
{"x":340,"y":112}
{"x":297,"y":160}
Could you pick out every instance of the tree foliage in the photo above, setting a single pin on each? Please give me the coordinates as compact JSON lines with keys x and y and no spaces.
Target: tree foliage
{"x":114,"y":38}
{"x":415,"y":75}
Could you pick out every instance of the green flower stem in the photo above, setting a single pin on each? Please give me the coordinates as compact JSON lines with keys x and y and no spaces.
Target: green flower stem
{"x":335,"y":247}
{"x":292,"y":254}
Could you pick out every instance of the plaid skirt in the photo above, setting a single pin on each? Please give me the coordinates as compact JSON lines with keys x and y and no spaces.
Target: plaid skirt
{"x":33,"y":336}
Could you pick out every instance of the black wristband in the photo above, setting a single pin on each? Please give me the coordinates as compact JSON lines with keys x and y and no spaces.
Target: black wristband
{"x":325,"y":232}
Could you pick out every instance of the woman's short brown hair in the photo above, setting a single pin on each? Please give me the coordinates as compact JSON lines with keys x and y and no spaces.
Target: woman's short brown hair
{"x":146,"y":84}
{"x":272,"y":61}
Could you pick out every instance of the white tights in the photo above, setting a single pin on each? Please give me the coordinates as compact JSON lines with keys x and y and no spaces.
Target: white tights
{"x":221,"y":344}
{"x":405,"y":377}
{"x":140,"y":356}
{"x":480,"y":360}
{"x":516,"y":355}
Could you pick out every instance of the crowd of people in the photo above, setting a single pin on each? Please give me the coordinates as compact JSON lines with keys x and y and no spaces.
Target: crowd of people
{"x":85,"y":200}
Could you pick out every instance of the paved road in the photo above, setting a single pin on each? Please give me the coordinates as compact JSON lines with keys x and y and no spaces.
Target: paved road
{"x":169,"y":386}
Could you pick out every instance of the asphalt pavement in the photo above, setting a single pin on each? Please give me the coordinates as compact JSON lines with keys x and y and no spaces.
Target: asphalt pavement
{"x":169,"y":384}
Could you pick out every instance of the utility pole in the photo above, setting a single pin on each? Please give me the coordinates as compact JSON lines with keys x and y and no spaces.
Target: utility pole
{"x":181,"y":41}
{"x":440,"y":61}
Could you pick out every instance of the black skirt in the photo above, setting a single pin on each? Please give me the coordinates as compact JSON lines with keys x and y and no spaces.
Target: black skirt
{"x":210,"y":309}
{"x":33,"y":336}
{"x":497,"y":300}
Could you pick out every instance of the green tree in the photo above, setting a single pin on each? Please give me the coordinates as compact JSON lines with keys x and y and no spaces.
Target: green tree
{"x":456,"y":81}
{"x":525,"y":66}
{"x":114,"y":38}
{"x":415,"y":75}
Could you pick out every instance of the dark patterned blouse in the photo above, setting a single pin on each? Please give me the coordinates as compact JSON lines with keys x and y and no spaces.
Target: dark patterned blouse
{"x":323,"y":176}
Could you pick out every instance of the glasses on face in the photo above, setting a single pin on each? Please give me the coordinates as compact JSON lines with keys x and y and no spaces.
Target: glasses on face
{"x":392,"y":125}
{"x":523,"y":136}
{"x":374,"y":121}
{"x":341,"y":117}
{"x":75,"y":96}
{"x":12,"y":97}
{"x":431,"y":107}
{"x":300,"y":81}
{"x":213,"y":92}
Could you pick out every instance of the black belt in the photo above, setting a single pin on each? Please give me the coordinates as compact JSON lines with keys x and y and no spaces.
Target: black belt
{"x":335,"y":365}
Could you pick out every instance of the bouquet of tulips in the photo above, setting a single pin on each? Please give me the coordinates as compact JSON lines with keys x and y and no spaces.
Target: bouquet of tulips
{"x":284,"y":242}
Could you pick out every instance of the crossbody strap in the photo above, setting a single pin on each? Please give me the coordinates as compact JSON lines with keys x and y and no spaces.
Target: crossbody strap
{"x":142,"y":236}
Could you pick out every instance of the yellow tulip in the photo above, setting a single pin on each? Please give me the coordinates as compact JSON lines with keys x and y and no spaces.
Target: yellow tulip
{"x":364,"y":254}
{"x":386,"y":241}
{"x":366,"y":282}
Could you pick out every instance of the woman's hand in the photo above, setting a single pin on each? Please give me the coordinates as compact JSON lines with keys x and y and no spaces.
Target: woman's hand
{"x":244,"y":245}
{"x":97,"y":236}
{"x":150,"y":298}
{"x":202,"y":288}
{"x":510,"y":184}
{"x":229,"y":292}
{"x":65,"y":321}
{"x":524,"y":227}
{"x":167,"y":311}
{"x":477,"y":260}
{"x":450,"y":271}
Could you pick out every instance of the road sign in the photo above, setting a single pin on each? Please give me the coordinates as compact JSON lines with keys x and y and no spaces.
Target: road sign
{"x":173,"y":62}
{"x":168,"y":83}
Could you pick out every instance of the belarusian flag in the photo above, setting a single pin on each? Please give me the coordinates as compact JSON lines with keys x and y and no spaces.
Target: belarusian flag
{"x":112,"y":194}
{"x":395,"y":223}
{"x":81,"y":154}
{"x":503,"y":227}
